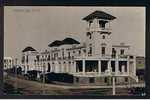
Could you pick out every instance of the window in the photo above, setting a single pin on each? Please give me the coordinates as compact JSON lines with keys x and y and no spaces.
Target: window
{"x":123,"y":63}
{"x":84,"y":50}
{"x":72,"y":57}
{"x":54,"y":56}
{"x":103,"y":50}
{"x":140,"y":62}
{"x":126,"y":79}
{"x":122,"y":51}
{"x":48,"y":58}
{"x":77,"y":79}
{"x":90,"y":51}
{"x":113,"y":52}
{"x":27,"y":58}
{"x":91,"y":66}
{"x":90,"y":23}
{"x":102,"y":24}
{"x":38,"y":58}
{"x":69,"y":55}
{"x":89,"y":35}
{"x":131,"y":57}
{"x":113,"y":66}
{"x":105,"y":79}
{"x":91,"y":80}
{"x":49,"y":68}
{"x":63,"y":54}
{"x":79,"y":52}
{"x":103,"y":36}
{"x":79,"y":67}
{"x":23,"y":59}
{"x":104,"y":65}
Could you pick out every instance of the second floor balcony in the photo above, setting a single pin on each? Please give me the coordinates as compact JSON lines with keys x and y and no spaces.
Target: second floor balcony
{"x":100,"y":74}
{"x":100,"y":29}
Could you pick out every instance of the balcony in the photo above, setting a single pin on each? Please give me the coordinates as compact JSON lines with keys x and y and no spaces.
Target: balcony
{"x":123,"y":56}
{"x":122,"y":74}
{"x":86,"y":74}
{"x":108,"y":30}
{"x":101,"y":74}
{"x":106,"y":56}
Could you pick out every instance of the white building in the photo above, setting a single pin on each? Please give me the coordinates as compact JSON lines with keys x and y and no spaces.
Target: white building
{"x":28,"y":59}
{"x":8,"y":63}
{"x":90,"y":62}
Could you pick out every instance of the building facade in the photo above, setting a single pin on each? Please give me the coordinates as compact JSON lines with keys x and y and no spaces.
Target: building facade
{"x":8,"y":63}
{"x":91,"y":62}
{"x":140,"y":62}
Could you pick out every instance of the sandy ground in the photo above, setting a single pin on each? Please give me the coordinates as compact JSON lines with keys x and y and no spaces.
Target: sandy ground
{"x":32,"y":87}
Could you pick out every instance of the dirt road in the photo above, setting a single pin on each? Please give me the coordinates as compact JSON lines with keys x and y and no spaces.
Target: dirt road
{"x":28,"y":87}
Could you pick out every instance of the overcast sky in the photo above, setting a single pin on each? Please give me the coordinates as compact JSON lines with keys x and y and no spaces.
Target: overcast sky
{"x":39,"y":26}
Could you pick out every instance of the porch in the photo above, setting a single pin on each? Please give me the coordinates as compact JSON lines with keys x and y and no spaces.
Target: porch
{"x":100,"y":67}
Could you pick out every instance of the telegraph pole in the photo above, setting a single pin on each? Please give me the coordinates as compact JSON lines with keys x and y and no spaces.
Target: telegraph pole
{"x":16,"y":73}
{"x":113,"y":86}
{"x":43,"y":78}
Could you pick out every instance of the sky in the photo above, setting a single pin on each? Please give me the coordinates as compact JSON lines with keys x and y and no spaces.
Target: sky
{"x":39,"y":26}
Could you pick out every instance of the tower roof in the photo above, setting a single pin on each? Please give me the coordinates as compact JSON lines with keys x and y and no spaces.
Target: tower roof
{"x":55,"y":43}
{"x":68,"y":40}
{"x":28,"y":49}
{"x":99,"y":14}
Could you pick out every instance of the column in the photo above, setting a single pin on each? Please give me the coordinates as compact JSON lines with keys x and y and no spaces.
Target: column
{"x":25,"y":69}
{"x":109,"y":65}
{"x":116,"y":67}
{"x":54,"y":67}
{"x":83,"y":66}
{"x":123,"y":68}
{"x":128,"y":62}
{"x":62,"y":67}
{"x":134,"y":66}
{"x":67,"y":67}
{"x":99,"y":67}
{"x":74,"y":67}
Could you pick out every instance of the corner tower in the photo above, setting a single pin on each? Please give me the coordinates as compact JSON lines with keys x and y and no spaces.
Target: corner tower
{"x":98,"y":35}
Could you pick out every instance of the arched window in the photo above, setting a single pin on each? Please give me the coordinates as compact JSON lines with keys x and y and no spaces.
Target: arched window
{"x":103,"y":37}
{"x":103,"y":50}
{"x":90,"y":22}
{"x":122,"y":51}
{"x":89,"y":35}
{"x":79,"y":52}
{"x":102,"y":24}
{"x":48,"y":58}
{"x":49,"y":67}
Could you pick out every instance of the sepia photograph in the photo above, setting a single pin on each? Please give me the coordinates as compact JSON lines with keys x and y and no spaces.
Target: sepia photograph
{"x":74,"y":50}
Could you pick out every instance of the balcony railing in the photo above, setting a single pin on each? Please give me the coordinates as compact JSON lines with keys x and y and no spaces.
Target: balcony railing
{"x":106,"y":73}
{"x":106,"y":56}
{"x":63,"y":58}
{"x":99,"y":29}
{"x":122,"y":56}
